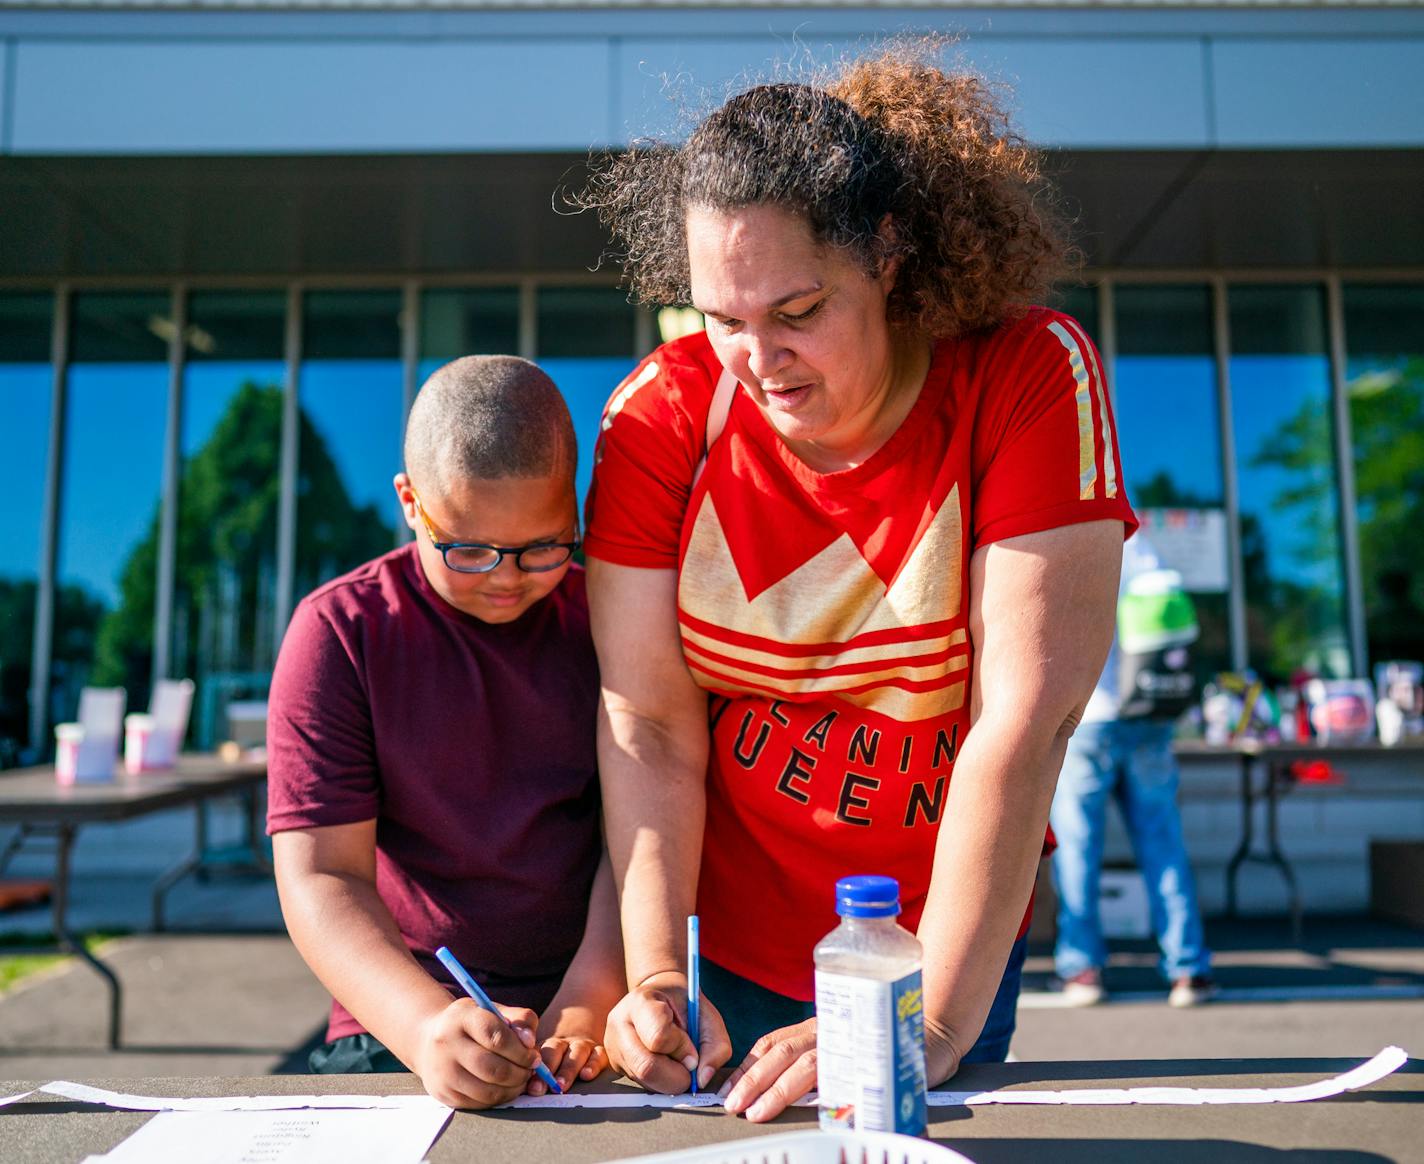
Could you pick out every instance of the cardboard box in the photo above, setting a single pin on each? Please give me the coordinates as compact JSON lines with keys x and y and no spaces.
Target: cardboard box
{"x":1397,"y":881}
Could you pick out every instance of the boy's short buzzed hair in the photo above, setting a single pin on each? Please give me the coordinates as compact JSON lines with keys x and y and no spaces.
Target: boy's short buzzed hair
{"x":487,"y":417}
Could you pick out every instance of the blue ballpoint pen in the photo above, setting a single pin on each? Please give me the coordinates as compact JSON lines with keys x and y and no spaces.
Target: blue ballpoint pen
{"x":477,"y":992}
{"x":694,"y":994}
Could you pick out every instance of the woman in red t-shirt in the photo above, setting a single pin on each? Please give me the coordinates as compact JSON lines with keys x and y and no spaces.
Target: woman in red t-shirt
{"x":859,"y":537}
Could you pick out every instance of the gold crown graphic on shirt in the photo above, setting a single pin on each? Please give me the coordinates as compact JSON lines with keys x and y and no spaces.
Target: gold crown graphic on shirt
{"x":832,"y":598}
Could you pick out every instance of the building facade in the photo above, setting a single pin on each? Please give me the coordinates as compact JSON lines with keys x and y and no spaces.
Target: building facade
{"x":235,"y":237}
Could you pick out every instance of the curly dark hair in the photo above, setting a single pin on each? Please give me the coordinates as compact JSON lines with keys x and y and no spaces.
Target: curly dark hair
{"x":973,"y":221}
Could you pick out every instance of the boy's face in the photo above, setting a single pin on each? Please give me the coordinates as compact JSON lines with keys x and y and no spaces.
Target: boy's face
{"x":505,"y":512}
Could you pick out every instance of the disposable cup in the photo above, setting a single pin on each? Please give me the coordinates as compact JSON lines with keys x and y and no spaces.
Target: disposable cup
{"x":138,"y":738}
{"x":67,"y":738}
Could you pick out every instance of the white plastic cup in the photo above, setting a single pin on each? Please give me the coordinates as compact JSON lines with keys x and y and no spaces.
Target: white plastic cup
{"x":67,"y":738}
{"x":1389,"y":717}
{"x":138,"y":743}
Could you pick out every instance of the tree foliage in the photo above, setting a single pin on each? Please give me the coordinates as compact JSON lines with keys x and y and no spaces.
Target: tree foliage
{"x":227,"y":540}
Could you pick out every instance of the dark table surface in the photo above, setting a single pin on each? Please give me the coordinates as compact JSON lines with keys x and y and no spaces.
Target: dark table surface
{"x":1297,"y":749}
{"x":1382,"y":1122}
{"x":33,"y":794}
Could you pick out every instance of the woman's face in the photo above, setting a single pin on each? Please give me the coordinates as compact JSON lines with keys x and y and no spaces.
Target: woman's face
{"x":799,"y":324}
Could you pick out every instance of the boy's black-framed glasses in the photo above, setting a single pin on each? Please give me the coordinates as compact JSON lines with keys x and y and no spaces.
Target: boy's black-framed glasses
{"x":478,"y":558}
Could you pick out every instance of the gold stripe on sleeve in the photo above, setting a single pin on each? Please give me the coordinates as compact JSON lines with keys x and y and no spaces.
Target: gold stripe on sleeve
{"x":1082,"y":393}
{"x":1110,"y":469}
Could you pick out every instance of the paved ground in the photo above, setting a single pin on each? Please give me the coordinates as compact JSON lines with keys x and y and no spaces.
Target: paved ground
{"x":226,"y":994}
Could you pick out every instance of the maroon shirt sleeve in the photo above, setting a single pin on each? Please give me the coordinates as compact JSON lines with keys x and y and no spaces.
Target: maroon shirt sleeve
{"x":321,"y":756}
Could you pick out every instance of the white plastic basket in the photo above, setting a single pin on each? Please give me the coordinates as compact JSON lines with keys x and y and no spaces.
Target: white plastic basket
{"x":812,"y":1147}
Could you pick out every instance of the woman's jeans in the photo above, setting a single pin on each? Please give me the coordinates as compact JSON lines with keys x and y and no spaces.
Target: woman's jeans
{"x":1130,"y":762}
{"x":751,"y":1011}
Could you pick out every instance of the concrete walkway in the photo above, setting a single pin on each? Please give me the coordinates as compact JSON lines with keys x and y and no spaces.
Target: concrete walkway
{"x":236,"y":1004}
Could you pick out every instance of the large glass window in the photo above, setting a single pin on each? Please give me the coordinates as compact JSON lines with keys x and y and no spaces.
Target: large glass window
{"x":1290,"y":541}
{"x":1385,"y":372}
{"x":471,"y":321}
{"x":1169,"y":434}
{"x":225,"y":587}
{"x":587,"y":345}
{"x":350,"y":439}
{"x":25,"y":393}
{"x":116,"y":411}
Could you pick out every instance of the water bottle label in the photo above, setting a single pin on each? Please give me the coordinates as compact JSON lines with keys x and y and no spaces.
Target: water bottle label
{"x":870,"y":1053}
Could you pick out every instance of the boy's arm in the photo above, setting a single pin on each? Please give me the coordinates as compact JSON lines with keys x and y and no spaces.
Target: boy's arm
{"x":465,"y":1057}
{"x":571,"y":1030}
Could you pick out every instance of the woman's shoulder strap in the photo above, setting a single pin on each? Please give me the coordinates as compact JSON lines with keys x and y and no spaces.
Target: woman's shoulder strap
{"x":717,"y":414}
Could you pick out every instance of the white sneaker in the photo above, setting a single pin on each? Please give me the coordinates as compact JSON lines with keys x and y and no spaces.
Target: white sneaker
{"x":1191,"y":990}
{"x":1084,"y":989}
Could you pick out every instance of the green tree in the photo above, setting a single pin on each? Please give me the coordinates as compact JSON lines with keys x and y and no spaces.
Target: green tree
{"x":77,"y":614}
{"x":227,"y":538}
{"x":1387,"y":426}
{"x":1387,"y":429}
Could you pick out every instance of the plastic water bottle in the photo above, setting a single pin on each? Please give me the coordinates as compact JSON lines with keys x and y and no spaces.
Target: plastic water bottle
{"x":870,"y":1021}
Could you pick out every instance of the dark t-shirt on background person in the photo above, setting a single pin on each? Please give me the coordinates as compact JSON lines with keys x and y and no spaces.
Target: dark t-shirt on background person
{"x":472,"y":746}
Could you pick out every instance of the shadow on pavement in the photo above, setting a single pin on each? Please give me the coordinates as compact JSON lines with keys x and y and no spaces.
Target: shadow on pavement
{"x":295,"y":1062}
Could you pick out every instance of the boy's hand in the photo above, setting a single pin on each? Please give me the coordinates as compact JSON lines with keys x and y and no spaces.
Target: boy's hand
{"x":468,"y":1058}
{"x":570,"y":1057}
{"x":648,"y":1040}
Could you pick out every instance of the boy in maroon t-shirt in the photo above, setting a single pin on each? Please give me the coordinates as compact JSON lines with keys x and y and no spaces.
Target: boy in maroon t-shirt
{"x":432,"y":771}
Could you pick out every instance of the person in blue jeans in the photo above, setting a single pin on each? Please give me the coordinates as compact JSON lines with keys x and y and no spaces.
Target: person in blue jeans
{"x":1128,"y":762}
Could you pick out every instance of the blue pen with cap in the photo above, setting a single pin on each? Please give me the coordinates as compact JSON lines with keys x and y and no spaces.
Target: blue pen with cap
{"x":694,"y":994}
{"x":477,"y":992}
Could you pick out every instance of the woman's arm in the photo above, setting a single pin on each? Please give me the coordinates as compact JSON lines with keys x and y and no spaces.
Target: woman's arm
{"x":1041,"y":610}
{"x":652,"y":759}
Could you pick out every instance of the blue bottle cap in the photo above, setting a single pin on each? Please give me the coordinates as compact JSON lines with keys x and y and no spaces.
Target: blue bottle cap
{"x":867,"y":896}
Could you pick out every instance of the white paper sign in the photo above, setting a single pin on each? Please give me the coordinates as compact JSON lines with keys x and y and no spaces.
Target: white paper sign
{"x":1192,"y":542}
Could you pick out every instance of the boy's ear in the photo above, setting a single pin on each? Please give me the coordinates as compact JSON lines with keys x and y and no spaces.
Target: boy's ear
{"x":406,"y":496}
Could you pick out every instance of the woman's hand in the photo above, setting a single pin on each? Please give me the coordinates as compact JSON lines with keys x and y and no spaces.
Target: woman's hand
{"x":647,"y":1037}
{"x":779,"y":1070}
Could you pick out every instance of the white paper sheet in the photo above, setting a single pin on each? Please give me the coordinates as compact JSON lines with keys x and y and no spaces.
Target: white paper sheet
{"x":14,"y":1098}
{"x":1389,"y":1060}
{"x":630,"y":1098}
{"x":119,"y":1099}
{"x":381,"y":1136}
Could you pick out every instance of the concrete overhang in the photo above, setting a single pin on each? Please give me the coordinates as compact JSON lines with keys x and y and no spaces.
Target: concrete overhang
{"x":284,"y":217}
